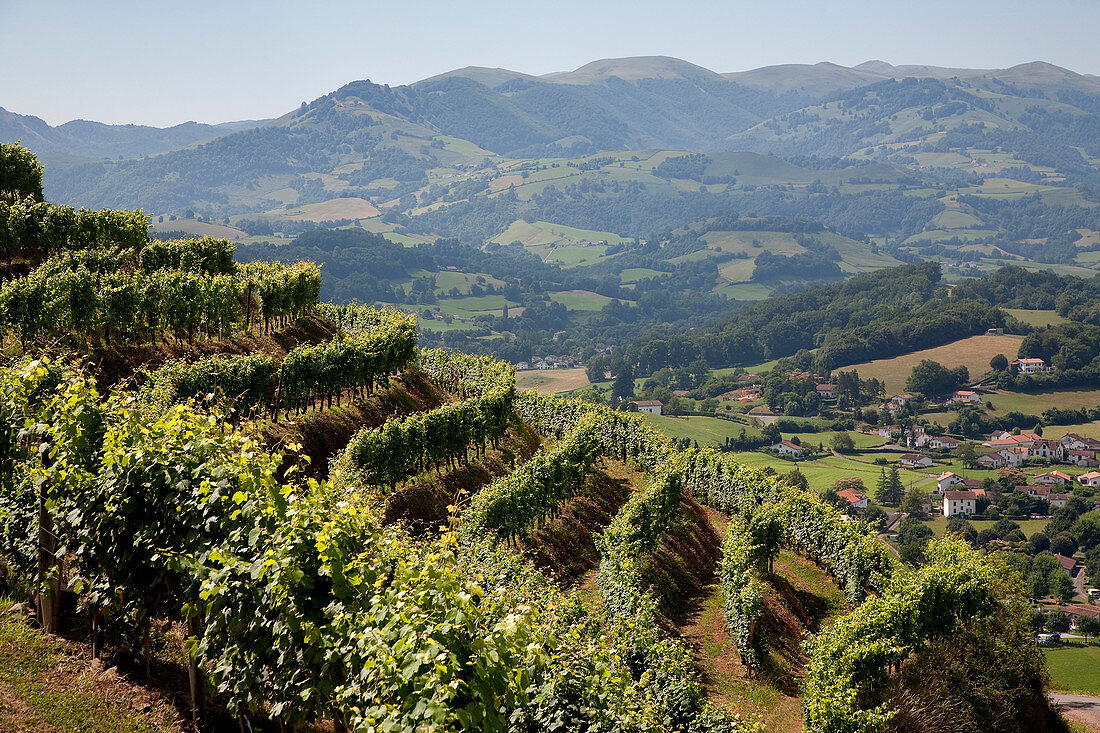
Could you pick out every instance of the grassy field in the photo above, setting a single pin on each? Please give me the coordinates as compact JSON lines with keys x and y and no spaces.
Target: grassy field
{"x":1036,"y":318}
{"x":974,"y":353}
{"x":1033,"y":403}
{"x":705,"y":431}
{"x":580,"y":300}
{"x":551,"y":381}
{"x":823,"y":472}
{"x":333,"y":209}
{"x":634,"y":274}
{"x":462,"y":281}
{"x":938,"y":523}
{"x":1074,"y":668}
{"x":48,"y":685}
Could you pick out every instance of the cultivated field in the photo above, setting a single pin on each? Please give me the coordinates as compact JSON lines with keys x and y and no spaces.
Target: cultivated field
{"x":551,"y":381}
{"x":1074,"y":668}
{"x":1036,"y":318}
{"x":974,"y":353}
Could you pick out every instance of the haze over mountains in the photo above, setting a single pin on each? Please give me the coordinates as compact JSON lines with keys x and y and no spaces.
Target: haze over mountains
{"x":681,"y":104}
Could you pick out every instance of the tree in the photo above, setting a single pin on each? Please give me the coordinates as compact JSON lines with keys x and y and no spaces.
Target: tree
{"x":797,"y":479}
{"x":1063,"y":543}
{"x":882,"y":488}
{"x":962,"y":529}
{"x":1057,"y":621}
{"x":623,"y":386}
{"x":913,"y":502}
{"x":876,"y":517}
{"x":967,"y":454}
{"x":895,"y":489}
{"x":999,"y":363}
{"x":931,"y":378}
{"x":1039,"y":543}
{"x":1061,"y":587}
{"x":1089,"y":627}
{"x":771,"y":433}
{"x":913,"y":535}
{"x":843,"y":443}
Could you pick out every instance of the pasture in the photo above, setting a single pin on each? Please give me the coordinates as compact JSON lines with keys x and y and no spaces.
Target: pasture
{"x":551,"y":381}
{"x":974,"y":353}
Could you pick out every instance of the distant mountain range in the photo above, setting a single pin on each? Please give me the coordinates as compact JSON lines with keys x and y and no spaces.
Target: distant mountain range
{"x":647,"y":101}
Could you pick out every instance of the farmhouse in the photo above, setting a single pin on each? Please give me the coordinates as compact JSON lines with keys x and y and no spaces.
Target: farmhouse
{"x":1068,"y":564}
{"x":1053,"y":477}
{"x":948,"y":478}
{"x":854,"y":497}
{"x":992,"y":460}
{"x":915,"y":460}
{"x":653,"y":407}
{"x":959,"y":503}
{"x":1014,"y":456}
{"x":827,"y":391}
{"x":887,"y":430}
{"x":1027,"y":439}
{"x":787,"y":448}
{"x":942,"y":442}
{"x":1059,"y":500}
{"x":1078,"y":457}
{"x":964,"y":395}
{"x":1031,"y":366}
{"x":1073,"y":441}
{"x":1077,"y":612}
{"x":1048,"y":450}
{"x":1090,"y":479}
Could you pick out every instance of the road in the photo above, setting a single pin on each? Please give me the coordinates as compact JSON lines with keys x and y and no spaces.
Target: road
{"x":1081,"y":708}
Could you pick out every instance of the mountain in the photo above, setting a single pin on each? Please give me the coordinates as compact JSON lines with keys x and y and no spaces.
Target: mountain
{"x":634,"y":69}
{"x":491,"y":78}
{"x":96,"y":140}
{"x":813,"y":80}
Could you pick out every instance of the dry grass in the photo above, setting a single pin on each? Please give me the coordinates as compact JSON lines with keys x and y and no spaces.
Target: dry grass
{"x":552,"y":381}
{"x":974,"y":353}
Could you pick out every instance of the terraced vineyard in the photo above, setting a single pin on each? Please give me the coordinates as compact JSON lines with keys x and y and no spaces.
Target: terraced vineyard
{"x":411,"y":585}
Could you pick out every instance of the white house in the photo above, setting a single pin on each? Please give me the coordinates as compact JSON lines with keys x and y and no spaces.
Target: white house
{"x":1031,"y":366}
{"x":826,"y":391}
{"x":1073,"y":441}
{"x":964,"y":395}
{"x":915,"y":460}
{"x":959,"y":503}
{"x":653,"y":407}
{"x":947,"y":478}
{"x":787,"y":448}
{"x":1053,"y":477}
{"x":942,"y":442}
{"x":1059,"y":500}
{"x":887,"y":430}
{"x":992,"y":460}
{"x":854,"y":497}
{"x":1014,"y":456}
{"x":1050,"y":450}
{"x":1000,"y":435}
{"x":1090,"y":479}
{"x":523,"y":365}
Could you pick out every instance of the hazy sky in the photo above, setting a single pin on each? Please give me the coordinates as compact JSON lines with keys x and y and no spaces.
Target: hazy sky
{"x":161,"y":63}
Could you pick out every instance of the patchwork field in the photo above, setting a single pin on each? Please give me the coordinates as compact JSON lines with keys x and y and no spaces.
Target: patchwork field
{"x":551,"y":381}
{"x":974,"y":353}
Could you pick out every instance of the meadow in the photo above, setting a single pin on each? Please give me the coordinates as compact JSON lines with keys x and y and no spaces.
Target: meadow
{"x":974,"y":353}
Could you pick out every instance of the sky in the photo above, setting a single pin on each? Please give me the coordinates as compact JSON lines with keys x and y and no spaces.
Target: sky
{"x":160,"y":63}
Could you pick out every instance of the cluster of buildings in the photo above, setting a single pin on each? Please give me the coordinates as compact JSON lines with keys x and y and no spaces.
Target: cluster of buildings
{"x":550,"y":361}
{"x":1014,"y":450}
{"x":960,"y":495}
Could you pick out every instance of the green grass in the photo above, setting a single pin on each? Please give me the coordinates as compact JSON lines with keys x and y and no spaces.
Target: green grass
{"x":1074,"y":668}
{"x":36,"y":671}
{"x":706,"y":431}
{"x":744,"y":291}
{"x":469,"y":307}
{"x":824,"y":471}
{"x":1036,"y":318}
{"x":634,"y":274}
{"x":938,"y":522}
{"x":1033,"y":403}
{"x":581,"y":300}
{"x":463,"y":281}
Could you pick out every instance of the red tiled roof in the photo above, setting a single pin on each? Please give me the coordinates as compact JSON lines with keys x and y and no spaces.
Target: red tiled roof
{"x":960,"y":495}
